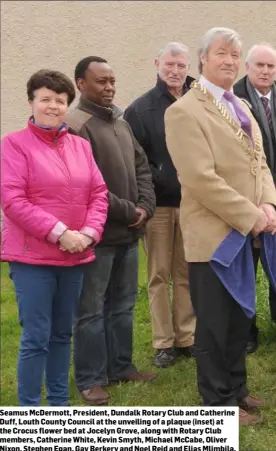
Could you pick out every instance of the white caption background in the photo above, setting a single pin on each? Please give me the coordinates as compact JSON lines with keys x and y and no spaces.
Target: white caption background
{"x":119,"y":429}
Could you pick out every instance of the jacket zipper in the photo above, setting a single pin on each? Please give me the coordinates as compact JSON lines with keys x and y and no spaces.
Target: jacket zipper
{"x":55,"y":142}
{"x":25,"y":244}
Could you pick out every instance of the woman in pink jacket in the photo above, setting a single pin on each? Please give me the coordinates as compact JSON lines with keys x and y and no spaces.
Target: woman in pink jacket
{"x":54,"y":201}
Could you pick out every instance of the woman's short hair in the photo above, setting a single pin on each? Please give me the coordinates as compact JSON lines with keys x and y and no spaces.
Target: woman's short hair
{"x":51,"y":79}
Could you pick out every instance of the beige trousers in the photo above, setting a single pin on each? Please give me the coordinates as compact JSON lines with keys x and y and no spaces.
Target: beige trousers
{"x":173,"y":323}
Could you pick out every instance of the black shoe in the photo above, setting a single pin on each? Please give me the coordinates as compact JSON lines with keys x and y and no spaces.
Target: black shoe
{"x":251,"y":347}
{"x":164,"y":358}
{"x":188,"y":351}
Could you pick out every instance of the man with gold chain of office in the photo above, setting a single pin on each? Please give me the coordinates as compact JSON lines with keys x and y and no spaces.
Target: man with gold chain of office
{"x":228,"y":198}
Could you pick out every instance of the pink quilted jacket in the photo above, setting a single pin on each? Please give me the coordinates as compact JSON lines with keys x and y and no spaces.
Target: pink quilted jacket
{"x":49,"y":182}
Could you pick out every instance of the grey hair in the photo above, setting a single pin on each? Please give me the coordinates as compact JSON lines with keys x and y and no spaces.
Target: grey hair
{"x":174,"y":48}
{"x":227,"y":34}
{"x":256,"y":46}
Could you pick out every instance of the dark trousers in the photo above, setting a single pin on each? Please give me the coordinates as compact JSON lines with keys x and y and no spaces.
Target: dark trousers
{"x":104,"y":326}
{"x":254,"y":331}
{"x":220,"y":339}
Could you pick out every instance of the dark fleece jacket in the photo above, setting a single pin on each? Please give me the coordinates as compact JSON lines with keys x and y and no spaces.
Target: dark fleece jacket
{"x":123,"y":164}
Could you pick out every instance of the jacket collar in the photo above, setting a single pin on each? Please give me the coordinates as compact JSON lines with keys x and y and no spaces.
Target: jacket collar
{"x":162,"y":87}
{"x":240,"y":88}
{"x":105,"y":113}
{"x":216,"y":107}
{"x":215,"y":90}
{"x":205,"y":95}
{"x":47,"y":135}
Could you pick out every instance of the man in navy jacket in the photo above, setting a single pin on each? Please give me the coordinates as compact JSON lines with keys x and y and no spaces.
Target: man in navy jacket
{"x":172,"y":329}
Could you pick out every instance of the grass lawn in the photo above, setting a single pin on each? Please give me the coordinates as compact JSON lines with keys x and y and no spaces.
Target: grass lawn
{"x":175,"y":386}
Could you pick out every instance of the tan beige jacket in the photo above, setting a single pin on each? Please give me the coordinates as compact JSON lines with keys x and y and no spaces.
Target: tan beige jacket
{"x":223,"y":179}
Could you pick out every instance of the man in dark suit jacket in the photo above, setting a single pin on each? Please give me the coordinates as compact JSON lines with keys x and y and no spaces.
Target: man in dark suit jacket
{"x":258,"y":88}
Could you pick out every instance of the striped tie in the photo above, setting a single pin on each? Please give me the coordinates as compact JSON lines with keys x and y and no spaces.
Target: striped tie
{"x":265,"y":102}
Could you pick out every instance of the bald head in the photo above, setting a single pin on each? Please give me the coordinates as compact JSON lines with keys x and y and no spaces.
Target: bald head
{"x":261,"y":67}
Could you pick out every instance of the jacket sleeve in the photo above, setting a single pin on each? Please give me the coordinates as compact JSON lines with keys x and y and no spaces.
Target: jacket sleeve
{"x":194,"y":162}
{"x":138,"y":129}
{"x":268,"y":185}
{"x":269,"y":188}
{"x":120,"y":210}
{"x":136,"y":125}
{"x":14,"y":199}
{"x":146,"y":194}
{"x":98,"y":205}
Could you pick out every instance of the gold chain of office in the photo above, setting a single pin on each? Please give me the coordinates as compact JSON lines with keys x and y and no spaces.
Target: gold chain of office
{"x":255,"y":152}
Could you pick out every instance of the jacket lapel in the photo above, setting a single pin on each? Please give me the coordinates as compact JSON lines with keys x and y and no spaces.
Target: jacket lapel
{"x":215,"y":107}
{"x":208,"y":105}
{"x":273,"y":108}
{"x":211,"y":104}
